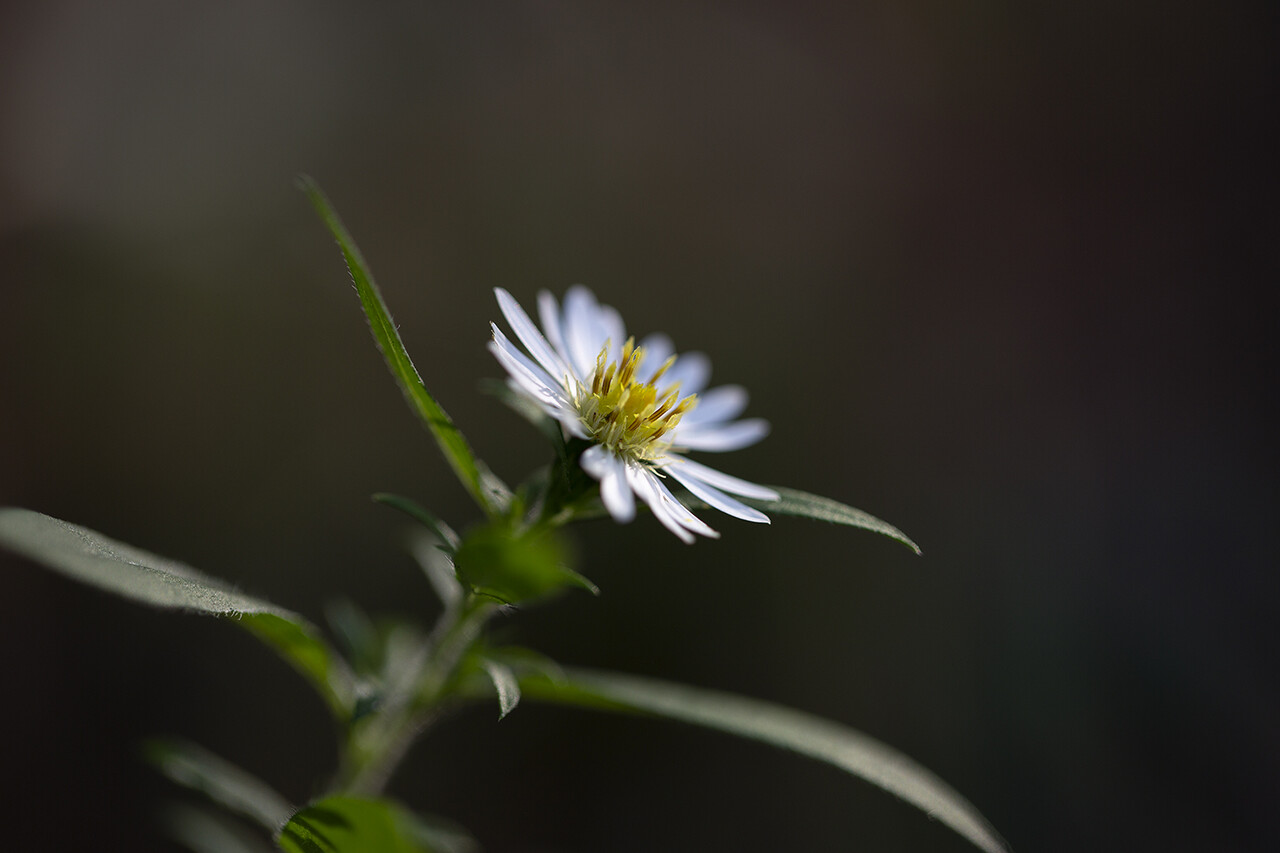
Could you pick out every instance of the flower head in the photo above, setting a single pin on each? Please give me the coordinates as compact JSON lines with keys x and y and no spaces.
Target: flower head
{"x":641,"y":407}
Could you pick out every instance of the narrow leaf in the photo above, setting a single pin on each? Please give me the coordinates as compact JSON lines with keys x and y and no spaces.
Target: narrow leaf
{"x":526,"y":662}
{"x":438,"y":567}
{"x":231,"y":787}
{"x":443,"y":836}
{"x":798,"y":503}
{"x":504,"y":683}
{"x":300,"y":644}
{"x":94,"y":559}
{"x":203,"y":831}
{"x":488,"y":491}
{"x":846,"y":748}
{"x":421,"y":514}
{"x":352,"y":825}
{"x":90,"y":557}
{"x":356,"y":634}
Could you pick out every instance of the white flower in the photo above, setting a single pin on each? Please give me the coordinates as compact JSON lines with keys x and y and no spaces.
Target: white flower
{"x":640,"y":406}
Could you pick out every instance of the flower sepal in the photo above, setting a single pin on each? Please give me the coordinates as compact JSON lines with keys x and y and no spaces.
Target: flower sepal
{"x":571,"y":493}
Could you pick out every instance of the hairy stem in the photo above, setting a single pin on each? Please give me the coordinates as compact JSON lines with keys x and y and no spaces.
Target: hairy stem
{"x":377,"y":746}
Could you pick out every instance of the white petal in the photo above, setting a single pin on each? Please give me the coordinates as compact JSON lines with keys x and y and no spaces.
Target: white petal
{"x":681,"y":513}
{"x":609,"y":327}
{"x":536,"y":382}
{"x":583,"y":334}
{"x":549,"y":314}
{"x":532,"y":339}
{"x":674,"y":515}
{"x":714,"y":497}
{"x":644,"y":485}
{"x":606,"y":467}
{"x":719,"y":437}
{"x":568,"y":419}
{"x":540,"y":395}
{"x":722,"y":403}
{"x":657,"y":349}
{"x":719,"y":479}
{"x":572,"y":423}
{"x":691,"y":370}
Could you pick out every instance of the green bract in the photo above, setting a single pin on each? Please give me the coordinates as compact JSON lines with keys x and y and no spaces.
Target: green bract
{"x":513,"y":566}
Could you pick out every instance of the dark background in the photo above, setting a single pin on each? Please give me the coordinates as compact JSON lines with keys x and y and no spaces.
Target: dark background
{"x":1000,"y":273}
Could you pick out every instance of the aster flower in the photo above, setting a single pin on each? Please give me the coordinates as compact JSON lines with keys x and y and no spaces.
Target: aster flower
{"x":641,"y":407}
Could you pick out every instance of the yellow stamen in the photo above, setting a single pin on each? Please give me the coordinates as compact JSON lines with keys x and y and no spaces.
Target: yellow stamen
{"x":666,"y":365}
{"x":625,"y":414}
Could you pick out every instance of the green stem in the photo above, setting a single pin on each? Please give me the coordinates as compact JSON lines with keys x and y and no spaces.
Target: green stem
{"x":377,"y":746}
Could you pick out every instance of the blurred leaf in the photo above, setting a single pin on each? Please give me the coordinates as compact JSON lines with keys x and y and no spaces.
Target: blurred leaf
{"x":438,"y":567}
{"x":526,"y":662}
{"x":353,"y":825}
{"x":846,"y":748}
{"x":488,"y":491}
{"x":300,"y":644}
{"x":504,"y":684}
{"x":403,"y":653}
{"x":356,"y":634}
{"x":231,"y":787}
{"x":94,"y":559}
{"x":90,"y":557}
{"x":422,"y":515}
{"x":525,"y":408}
{"x":798,"y":503}
{"x":514,"y":567}
{"x":203,"y":831}
{"x":443,"y":836}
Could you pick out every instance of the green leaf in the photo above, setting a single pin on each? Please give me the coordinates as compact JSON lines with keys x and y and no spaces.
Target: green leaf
{"x":421,"y":514}
{"x":231,"y":787}
{"x":204,"y":831}
{"x":798,"y":503}
{"x":504,"y":684}
{"x":443,"y":836}
{"x":94,"y":559}
{"x":525,"y":662}
{"x":300,"y":644}
{"x":515,"y":566}
{"x":846,"y":748}
{"x":353,"y":825}
{"x":438,"y":567}
{"x":90,"y":557}
{"x":488,"y":491}
{"x":356,"y":634}
{"x":791,"y":502}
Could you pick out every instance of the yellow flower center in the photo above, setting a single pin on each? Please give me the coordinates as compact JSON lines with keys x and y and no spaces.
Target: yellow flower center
{"x":625,"y":414}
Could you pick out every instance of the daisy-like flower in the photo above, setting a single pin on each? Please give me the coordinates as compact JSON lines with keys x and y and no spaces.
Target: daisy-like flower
{"x":641,"y":407}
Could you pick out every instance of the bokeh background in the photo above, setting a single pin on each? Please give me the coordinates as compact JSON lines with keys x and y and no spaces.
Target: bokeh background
{"x":1000,"y":273}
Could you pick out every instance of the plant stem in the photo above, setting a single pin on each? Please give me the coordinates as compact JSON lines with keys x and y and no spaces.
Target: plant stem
{"x":375,"y":750}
